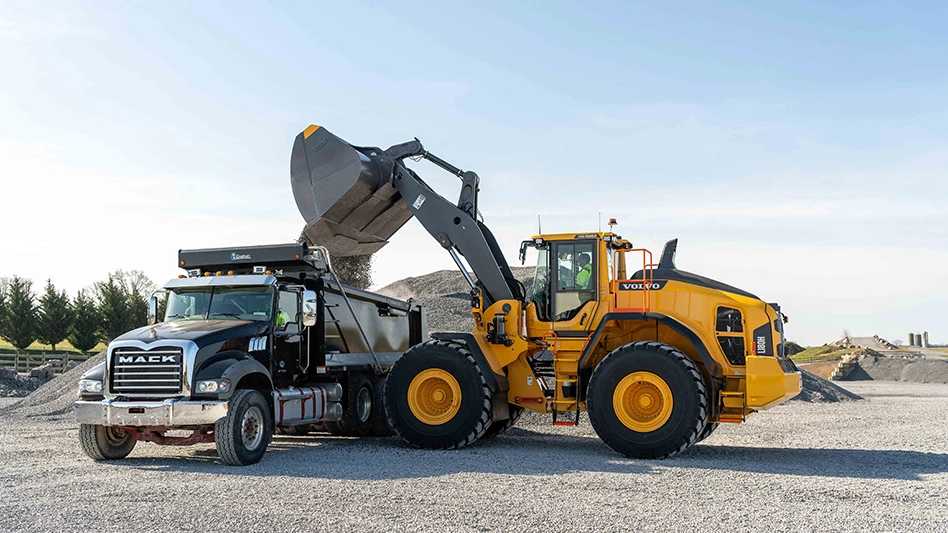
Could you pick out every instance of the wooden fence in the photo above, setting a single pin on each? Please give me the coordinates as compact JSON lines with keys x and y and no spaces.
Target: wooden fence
{"x":24,"y":362}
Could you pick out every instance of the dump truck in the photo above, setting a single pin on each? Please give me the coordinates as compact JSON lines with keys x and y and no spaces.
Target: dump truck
{"x":253,"y":340}
{"x":656,"y":356}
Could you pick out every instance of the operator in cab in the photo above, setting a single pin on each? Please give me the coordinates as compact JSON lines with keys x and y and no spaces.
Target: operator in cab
{"x":584,"y":274}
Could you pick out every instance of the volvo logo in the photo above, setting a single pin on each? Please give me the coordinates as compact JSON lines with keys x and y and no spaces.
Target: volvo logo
{"x":638,"y":285}
{"x":147,"y":359}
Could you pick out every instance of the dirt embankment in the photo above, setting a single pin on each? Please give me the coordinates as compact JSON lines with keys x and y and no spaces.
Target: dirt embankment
{"x":902,"y":369}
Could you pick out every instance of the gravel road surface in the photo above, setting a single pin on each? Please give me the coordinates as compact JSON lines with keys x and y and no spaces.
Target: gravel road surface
{"x":874,"y":465}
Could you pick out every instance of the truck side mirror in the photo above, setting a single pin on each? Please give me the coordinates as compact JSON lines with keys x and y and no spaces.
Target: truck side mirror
{"x":309,"y":308}
{"x":152,"y":310}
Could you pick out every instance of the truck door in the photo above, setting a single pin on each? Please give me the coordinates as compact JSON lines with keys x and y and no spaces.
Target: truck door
{"x":287,"y":336}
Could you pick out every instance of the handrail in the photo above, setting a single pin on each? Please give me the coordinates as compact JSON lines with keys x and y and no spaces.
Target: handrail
{"x":647,"y":279}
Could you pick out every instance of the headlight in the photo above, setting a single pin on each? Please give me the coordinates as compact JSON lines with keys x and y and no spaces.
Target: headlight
{"x":213,"y":385}
{"x":90,"y":385}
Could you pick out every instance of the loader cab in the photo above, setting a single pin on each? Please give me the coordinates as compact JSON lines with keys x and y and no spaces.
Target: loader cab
{"x":566,"y":285}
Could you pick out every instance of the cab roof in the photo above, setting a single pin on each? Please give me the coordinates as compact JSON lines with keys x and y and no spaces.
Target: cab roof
{"x":598,"y":235}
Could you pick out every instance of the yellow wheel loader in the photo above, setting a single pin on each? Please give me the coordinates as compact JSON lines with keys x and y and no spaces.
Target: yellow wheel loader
{"x":656,"y":356}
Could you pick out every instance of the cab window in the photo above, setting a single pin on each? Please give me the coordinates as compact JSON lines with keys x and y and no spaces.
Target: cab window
{"x":541,"y":285}
{"x":288,"y":312}
{"x":575,"y":275}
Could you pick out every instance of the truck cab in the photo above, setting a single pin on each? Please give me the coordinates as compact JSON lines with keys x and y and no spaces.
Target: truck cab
{"x":252,"y":340}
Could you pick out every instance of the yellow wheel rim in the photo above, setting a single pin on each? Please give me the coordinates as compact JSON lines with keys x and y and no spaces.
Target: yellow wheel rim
{"x":434,"y":396}
{"x":642,"y":402}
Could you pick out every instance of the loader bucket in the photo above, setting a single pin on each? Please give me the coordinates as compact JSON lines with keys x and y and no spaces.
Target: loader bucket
{"x":348,"y":205}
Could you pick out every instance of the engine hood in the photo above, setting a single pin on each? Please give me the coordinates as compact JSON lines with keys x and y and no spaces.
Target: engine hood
{"x":202,"y":332}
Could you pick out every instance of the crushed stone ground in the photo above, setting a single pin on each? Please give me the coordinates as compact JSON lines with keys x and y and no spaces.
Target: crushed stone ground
{"x":847,"y":466}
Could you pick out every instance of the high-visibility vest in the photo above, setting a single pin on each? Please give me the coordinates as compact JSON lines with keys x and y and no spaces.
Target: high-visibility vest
{"x":583,"y":277}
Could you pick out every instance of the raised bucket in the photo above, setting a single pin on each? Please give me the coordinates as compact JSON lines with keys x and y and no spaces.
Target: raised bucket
{"x":348,"y":205}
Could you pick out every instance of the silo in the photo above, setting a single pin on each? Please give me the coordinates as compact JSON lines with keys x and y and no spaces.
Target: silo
{"x":925,"y":340}
{"x":911,"y":339}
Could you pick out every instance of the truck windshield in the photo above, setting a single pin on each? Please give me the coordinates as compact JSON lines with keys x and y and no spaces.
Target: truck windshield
{"x":225,"y":303}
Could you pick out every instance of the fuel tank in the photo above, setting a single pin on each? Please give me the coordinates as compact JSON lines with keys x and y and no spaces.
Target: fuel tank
{"x":344,"y":195}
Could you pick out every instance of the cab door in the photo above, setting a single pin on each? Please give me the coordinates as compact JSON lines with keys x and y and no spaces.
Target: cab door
{"x":565,"y":288}
{"x":575,"y":284}
{"x":287,"y":336}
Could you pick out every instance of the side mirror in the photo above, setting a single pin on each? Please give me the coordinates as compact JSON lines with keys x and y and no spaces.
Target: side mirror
{"x":310,"y":306}
{"x":152,"y":310}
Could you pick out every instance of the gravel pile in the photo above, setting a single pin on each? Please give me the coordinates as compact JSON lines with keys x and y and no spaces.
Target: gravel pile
{"x":57,"y":396}
{"x":446,"y":295}
{"x":901,"y":369}
{"x":19,"y":386}
{"x":818,"y":390}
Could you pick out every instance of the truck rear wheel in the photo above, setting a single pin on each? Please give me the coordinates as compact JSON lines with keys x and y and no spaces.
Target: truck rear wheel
{"x":358,"y":406}
{"x":647,"y":400}
{"x":296,"y":431}
{"x":243,"y":435}
{"x":436,"y":396}
{"x":105,"y":443}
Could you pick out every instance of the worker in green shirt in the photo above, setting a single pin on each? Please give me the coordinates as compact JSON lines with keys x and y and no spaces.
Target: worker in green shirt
{"x":584,"y":275}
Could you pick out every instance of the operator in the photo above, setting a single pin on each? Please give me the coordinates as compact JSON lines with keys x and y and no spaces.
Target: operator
{"x":282,"y":319}
{"x":584,"y":275}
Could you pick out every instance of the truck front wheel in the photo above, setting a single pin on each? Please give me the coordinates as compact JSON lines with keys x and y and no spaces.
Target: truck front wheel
{"x":105,"y":443}
{"x":243,"y":435}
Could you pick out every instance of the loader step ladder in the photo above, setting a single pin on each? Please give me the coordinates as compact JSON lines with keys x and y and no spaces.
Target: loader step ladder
{"x":732,"y":401}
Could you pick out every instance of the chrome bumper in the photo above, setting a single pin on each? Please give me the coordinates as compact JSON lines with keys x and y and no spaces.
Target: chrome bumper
{"x":166,"y":413}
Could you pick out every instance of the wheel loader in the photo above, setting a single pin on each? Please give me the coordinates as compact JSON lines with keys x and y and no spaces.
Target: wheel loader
{"x":656,"y":356}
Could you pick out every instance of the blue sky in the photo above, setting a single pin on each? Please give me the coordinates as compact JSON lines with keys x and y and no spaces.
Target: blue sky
{"x":797,"y":149}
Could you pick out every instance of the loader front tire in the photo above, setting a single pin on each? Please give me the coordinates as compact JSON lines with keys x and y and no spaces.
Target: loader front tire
{"x":501,"y":426}
{"x":707,"y":431}
{"x":436,"y":396}
{"x":647,"y":400}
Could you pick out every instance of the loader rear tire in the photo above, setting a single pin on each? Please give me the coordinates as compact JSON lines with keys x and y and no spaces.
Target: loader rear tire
{"x":436,"y":396}
{"x":500,"y":427}
{"x":647,"y":400}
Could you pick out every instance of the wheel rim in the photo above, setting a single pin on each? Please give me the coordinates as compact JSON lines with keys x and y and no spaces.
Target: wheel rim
{"x":364,"y":404}
{"x":115,"y":435}
{"x":251,"y":428}
{"x":434,"y":396}
{"x":643,"y":402}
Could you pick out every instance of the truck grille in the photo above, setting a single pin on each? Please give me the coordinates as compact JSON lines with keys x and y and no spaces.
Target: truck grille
{"x":154,"y":372}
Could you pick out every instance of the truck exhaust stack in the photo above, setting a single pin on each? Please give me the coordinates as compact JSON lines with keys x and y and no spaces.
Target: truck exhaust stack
{"x":344,"y":196}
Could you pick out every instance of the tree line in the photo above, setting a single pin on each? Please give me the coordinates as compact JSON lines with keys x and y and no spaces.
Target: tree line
{"x":96,"y":314}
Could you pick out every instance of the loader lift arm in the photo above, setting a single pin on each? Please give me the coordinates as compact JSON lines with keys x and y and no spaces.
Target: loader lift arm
{"x":363,"y":195}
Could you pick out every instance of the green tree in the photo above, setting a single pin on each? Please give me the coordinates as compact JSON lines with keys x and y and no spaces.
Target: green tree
{"x":19,"y":316}
{"x":55,"y":316}
{"x":112,"y":304}
{"x":84,"y":334}
{"x":3,"y":298}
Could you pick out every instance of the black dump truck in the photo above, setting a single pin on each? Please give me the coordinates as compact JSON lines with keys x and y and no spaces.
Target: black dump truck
{"x":254,"y":340}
